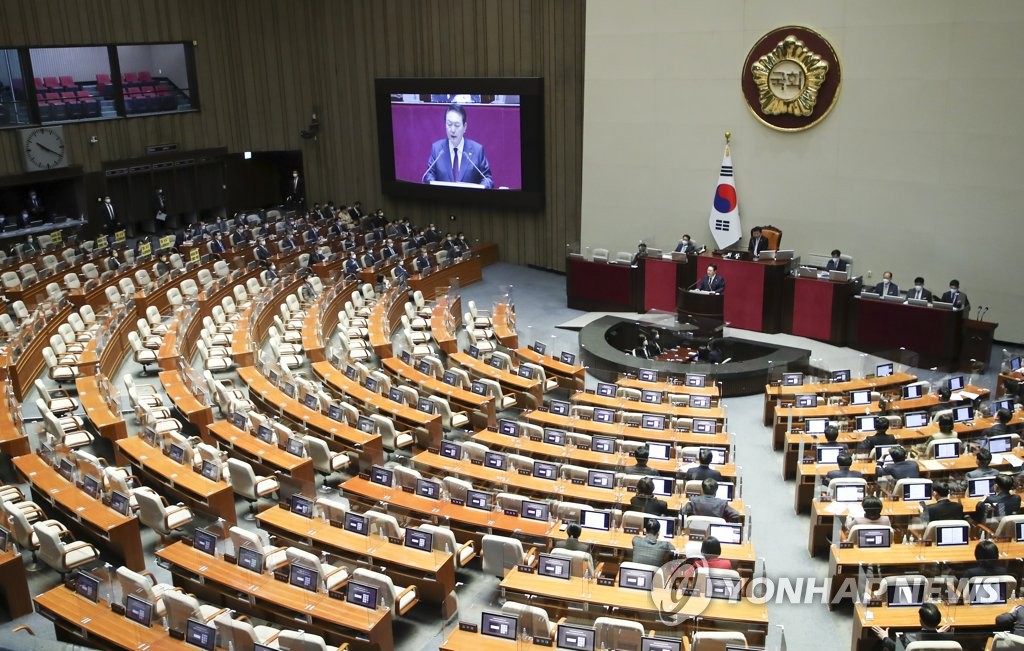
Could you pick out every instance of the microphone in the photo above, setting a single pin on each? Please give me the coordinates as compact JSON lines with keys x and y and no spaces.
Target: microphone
{"x":468,"y":155}
{"x":984,"y":313}
{"x":430,"y":166}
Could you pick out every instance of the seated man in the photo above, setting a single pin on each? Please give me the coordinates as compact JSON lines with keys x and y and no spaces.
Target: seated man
{"x":944,"y":508}
{"x":1001,"y":503}
{"x":703,"y":470}
{"x":572,"y":540}
{"x":836,"y":262}
{"x":647,"y":549}
{"x":711,"y":552}
{"x":707,"y":503}
{"x":685,"y":245}
{"x":986,"y":557}
{"x":880,"y":437}
{"x":832,"y":437}
{"x":642,"y":455}
{"x":956,"y":297}
{"x":758,"y":242}
{"x":641,"y":252}
{"x":887,"y":287}
{"x":645,"y":501}
{"x":901,"y":467}
{"x":1000,"y":427}
{"x":422,"y":261}
{"x":930,"y":619}
{"x":872,"y":514}
{"x":919,"y":292}
{"x":845,"y":461}
{"x":984,"y":458}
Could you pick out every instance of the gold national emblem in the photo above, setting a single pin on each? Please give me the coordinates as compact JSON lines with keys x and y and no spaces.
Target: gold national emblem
{"x":788,"y":78}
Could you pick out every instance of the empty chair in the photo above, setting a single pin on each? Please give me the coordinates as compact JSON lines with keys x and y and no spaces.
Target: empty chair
{"x":1006,"y":530}
{"x":475,"y":451}
{"x":533,"y":619}
{"x":82,"y":332}
{"x":250,"y":485}
{"x":328,"y":575}
{"x":717,"y":640}
{"x":615,"y":633}
{"x":144,"y":586}
{"x":181,"y":607}
{"x":54,"y":293}
{"x":212,"y":361}
{"x":494,"y":389}
{"x":399,"y":600}
{"x":144,"y":280}
{"x":22,"y":523}
{"x":20,"y":310}
{"x":113,"y":296}
{"x":175,"y":297}
{"x":141,"y":394}
{"x":334,"y":508}
{"x":60,"y":555}
{"x":221,"y":268}
{"x":127,"y":287}
{"x":456,"y":488}
{"x":72,"y":438}
{"x":600,"y":255}
{"x":90,"y":271}
{"x":59,"y":401}
{"x":325,"y":460}
{"x":273,"y":557}
{"x":149,"y":339}
{"x":156,"y":514}
{"x":384,"y":524}
{"x":391,"y":439}
{"x":240,"y":635}
{"x":501,"y":554}
{"x":449,"y":419}
{"x":537,"y":373}
{"x":415,"y":321}
{"x":946,"y":645}
{"x":140,"y":353}
{"x":205,"y":278}
{"x":28,"y":274}
{"x":10,"y":280}
{"x":155,"y":321}
{"x":932,"y":529}
{"x":444,"y":540}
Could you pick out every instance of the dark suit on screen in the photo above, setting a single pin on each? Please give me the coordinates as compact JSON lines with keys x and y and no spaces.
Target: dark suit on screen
{"x":472,"y":154}
{"x":712,"y":284}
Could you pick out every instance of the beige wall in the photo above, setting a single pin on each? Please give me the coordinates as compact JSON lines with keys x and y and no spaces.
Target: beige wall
{"x":916,"y":170}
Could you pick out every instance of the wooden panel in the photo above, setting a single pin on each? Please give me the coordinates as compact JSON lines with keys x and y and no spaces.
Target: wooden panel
{"x":264,"y":65}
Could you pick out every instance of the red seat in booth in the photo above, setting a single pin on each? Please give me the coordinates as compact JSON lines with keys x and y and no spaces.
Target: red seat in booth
{"x":144,"y":76}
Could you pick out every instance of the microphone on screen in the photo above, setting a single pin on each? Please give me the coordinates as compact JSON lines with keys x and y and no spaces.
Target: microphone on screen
{"x":469,"y":156}
{"x":433,"y":162}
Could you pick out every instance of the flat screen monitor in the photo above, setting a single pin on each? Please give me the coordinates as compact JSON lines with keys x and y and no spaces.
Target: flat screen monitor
{"x":361,"y":594}
{"x":652,"y":421}
{"x":815,"y":425}
{"x":725,"y":490}
{"x":723,"y":587}
{"x":295,"y":447}
{"x":478,"y":387}
{"x":574,"y":637}
{"x":998,"y":444}
{"x":474,"y":352}
{"x":355,"y":523}
{"x":600,"y":479}
{"x":499,"y":625}
{"x":668,"y":528}
{"x":636,"y":579}
{"x":848,"y":493}
{"x":371,"y":384}
{"x":659,"y":451}
{"x":829,"y":454}
{"x":651,"y":397}
{"x":1005,"y":403}
{"x":539,"y":347}
{"x":700,"y":402}
{"x":648,"y":375}
{"x":238,"y":420}
{"x":534,"y":510}
{"x":559,"y":407}
{"x":946,"y":449}
{"x":334,"y":412}
{"x":915,"y":419}
{"x":200,"y":635}
{"x":792,"y":379}
{"x":250,"y":559}
{"x":727,"y":533}
{"x":950,"y":536}
{"x":495,"y":460}
{"x":419,"y":540}
{"x":478,"y":500}
{"x":602,"y":415}
{"x":303,"y":577}
{"x":496,"y":362}
{"x":882,"y":453}
{"x":289,"y":389}
{"x":963,"y":414}
{"x":1015,"y":363}
{"x":603,"y":444}
{"x":718,"y":455}
{"x":807,"y":400}
{"x":423,"y":366}
{"x":508,"y":427}
{"x":66,"y":469}
{"x":884,"y":370}
{"x":350,"y":372}
{"x":981,"y":487}
{"x":911,"y":391}
{"x":451,"y":450}
{"x":554,"y":436}
{"x":91,"y":486}
{"x":210,"y":470}
{"x":405,"y":357}
{"x":544,"y":470}
{"x":663,"y":486}
{"x":860,"y":397}
{"x":695,"y":380}
{"x":1019,"y":532}
{"x":956,"y":383}
{"x":427,"y":488}
{"x":841,"y":375}
{"x":917,"y":491}
{"x":607,"y":390}
{"x":205,"y":541}
{"x":310,"y":401}
{"x":986,"y":591}
{"x":119,"y":502}
{"x":301,"y":505}
{"x":660,"y":644}
{"x":87,"y":586}
{"x":395,"y":395}
{"x":272,"y":376}
{"x":5,"y":537}
{"x":554,"y":566}
{"x":905,"y":593}
{"x":567,"y":358}
{"x":265,"y":433}
{"x":138,"y":610}
{"x":873,"y":538}
{"x":382,"y":476}
{"x":450,"y":379}
{"x":865,"y":423}
{"x":525,"y":371}
{"x":598,"y":520}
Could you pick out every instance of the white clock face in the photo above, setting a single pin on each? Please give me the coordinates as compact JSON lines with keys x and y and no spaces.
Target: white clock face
{"x":45,"y":149}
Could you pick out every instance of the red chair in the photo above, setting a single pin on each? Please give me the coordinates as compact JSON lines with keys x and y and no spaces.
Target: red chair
{"x":68,"y":95}
{"x":68,"y":82}
{"x":144,"y":76}
{"x":83,"y":94}
{"x":130,"y":78}
{"x":102,"y":80}
{"x":39,"y":84}
{"x":104,"y":87}
{"x":147,"y":90}
{"x":53,"y":97}
{"x":51,"y":82}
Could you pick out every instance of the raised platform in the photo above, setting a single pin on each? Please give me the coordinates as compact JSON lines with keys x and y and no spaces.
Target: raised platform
{"x":746,"y":373}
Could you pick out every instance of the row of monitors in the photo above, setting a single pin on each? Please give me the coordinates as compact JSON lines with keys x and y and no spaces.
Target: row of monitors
{"x":651,"y":396}
{"x":943,"y":449}
{"x":984,"y":592}
{"x":498,"y":363}
{"x":541,"y":348}
{"x":265,"y":433}
{"x":647,"y":421}
{"x":977,"y":488}
{"x":911,"y":420}
{"x":603,"y":444}
{"x":955,"y":383}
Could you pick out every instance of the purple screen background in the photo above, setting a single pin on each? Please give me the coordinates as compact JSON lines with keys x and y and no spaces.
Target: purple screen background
{"x":416,"y":126}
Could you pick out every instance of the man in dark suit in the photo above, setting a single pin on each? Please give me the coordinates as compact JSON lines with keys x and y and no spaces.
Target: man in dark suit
{"x":352,"y":264}
{"x":572,"y":540}
{"x":457,"y":158}
{"x":645,"y":500}
{"x":641,"y":350}
{"x":707,"y":503}
{"x":641,"y":455}
{"x":757,"y":242}
{"x":930,"y":619}
{"x":356,"y":211}
{"x":880,"y":437}
{"x":217,"y":247}
{"x":836,"y":262}
{"x":422,"y":261}
{"x":261,"y":252}
{"x":295,"y":190}
{"x":239,"y":238}
{"x":944,"y":508}
{"x":401,"y":273}
{"x":702,"y":471}
{"x":287,"y":242}
{"x":712,"y":282}
{"x":160,"y":208}
{"x":388,"y":249}
{"x":919,"y":291}
{"x":686,"y":245}
{"x":887,"y":286}
{"x":369,"y":259}
{"x":432,"y":234}
{"x":986,"y":557}
{"x":34,"y":205}
{"x":1003,"y":502}
{"x":110,"y":216}
{"x":901,"y":467}
{"x":956,"y":297}
{"x":845,"y":461}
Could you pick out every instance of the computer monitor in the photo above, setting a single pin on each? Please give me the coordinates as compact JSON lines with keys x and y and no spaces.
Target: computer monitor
{"x":652,"y":421}
{"x":792,"y":379}
{"x":660,"y":644}
{"x":651,"y":397}
{"x":915,"y":419}
{"x":295,"y":447}
{"x":567,"y":358}
{"x":210,"y":470}
{"x":723,"y":587}
{"x":696,"y":380}
{"x":478,"y":387}
{"x":495,"y":460}
{"x":1019,"y":532}
{"x":663,"y":486}
{"x":544,"y":470}
{"x":303,"y":577}
{"x":427,"y":488}
{"x":602,"y":415}
{"x":534,"y":510}
{"x":950,"y":536}
{"x":635,"y":578}
{"x":365,"y":425}
{"x":334,"y":412}
{"x":361,"y":594}
{"x":478,"y":500}
{"x":881,"y":453}
{"x":603,"y":444}
{"x":860,"y":397}
{"x":668,"y":527}
{"x":597,"y":520}
{"x":395,"y":395}
{"x":508,"y":427}
{"x":600,"y":479}
{"x":1015,"y":363}
{"x":238,"y":420}
{"x":499,"y":625}
{"x":138,"y":610}
{"x":474,"y":352}
{"x":905,"y":593}
{"x":815,"y":425}
{"x":873,"y":538}
{"x":998,"y":444}
{"x":554,"y":436}
{"x":265,"y":433}
{"x":726,"y":533}
{"x":405,"y":357}
{"x":963,"y":414}
{"x":451,"y":450}
{"x":659,"y":451}
{"x":554,"y":566}
{"x":574,"y":637}
{"x":450,"y":378}
{"x":911,"y":391}
{"x":559,"y":407}
{"x":539,"y":347}
{"x":1005,"y":403}
{"x":355,"y":523}
{"x":848,"y":493}
{"x":648,"y":375}
{"x":119,"y":502}
{"x":946,"y":449}
{"x":725,"y":490}
{"x":205,"y":541}
{"x":272,"y":376}
{"x":200,"y":635}
{"x":986,"y":591}
{"x":956,"y":383}
{"x":829,"y":454}
{"x":718,"y":455}
{"x":382,"y":476}
{"x":289,"y":389}
{"x":841,"y":375}
{"x":371,"y":384}
{"x":250,"y":559}
{"x":301,"y":505}
{"x":807,"y":400}
{"x":87,"y":585}
{"x":310,"y":401}
{"x":423,"y":366}
{"x":5,"y":537}
{"x":981,"y":487}
{"x":865,"y":423}
{"x":607,"y":390}
{"x":66,"y":469}
{"x":700,"y":402}
{"x":420,"y":540}
{"x":917,"y":491}
{"x":91,"y":486}
{"x":884,"y":370}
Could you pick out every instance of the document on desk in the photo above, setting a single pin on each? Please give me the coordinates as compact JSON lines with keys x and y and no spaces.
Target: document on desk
{"x":1011,"y":459}
{"x":837,"y":508}
{"x":931,"y":464}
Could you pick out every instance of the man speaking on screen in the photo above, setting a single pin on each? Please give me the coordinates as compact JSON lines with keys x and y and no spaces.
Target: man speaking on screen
{"x":457,"y":159}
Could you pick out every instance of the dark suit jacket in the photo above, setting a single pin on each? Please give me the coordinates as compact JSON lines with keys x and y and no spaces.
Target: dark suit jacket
{"x":422,"y":262}
{"x":716,"y":284}
{"x":842,"y":474}
{"x":876,"y":439}
{"x":761,"y":242}
{"x":653,"y":506}
{"x":961,"y":300}
{"x":997,"y":505}
{"x":943,"y":510}
{"x":217,"y":246}
{"x":351,"y":266}
{"x":700,"y":473}
{"x":894,"y":289}
{"x":473,"y":168}
{"x":686,"y":248}
{"x":572,"y":544}
{"x":901,"y":470}
{"x":835,"y":265}
{"x":402,"y":274}
{"x":926,"y":294}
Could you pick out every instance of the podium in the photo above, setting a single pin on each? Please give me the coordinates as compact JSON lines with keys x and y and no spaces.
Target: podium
{"x":704,"y":310}
{"x":976,"y":344}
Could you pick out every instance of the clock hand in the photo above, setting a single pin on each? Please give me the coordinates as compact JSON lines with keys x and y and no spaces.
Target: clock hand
{"x":45,"y":148}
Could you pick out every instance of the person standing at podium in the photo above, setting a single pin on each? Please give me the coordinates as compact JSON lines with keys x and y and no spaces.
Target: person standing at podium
{"x":456,"y":158}
{"x":757,"y":242}
{"x":712,"y":282}
{"x":919,"y":292}
{"x":836,"y":262}
{"x":956,"y":297}
{"x":887,"y":287}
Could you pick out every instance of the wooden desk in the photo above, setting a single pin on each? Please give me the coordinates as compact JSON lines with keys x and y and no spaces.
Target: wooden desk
{"x":400,"y":412}
{"x":621,"y":430}
{"x":266,"y":459}
{"x":477,"y":404}
{"x":712,"y":389}
{"x":662,"y":408}
{"x":433,"y":572}
{"x":30,"y":364}
{"x":216,"y":581}
{"x":445,"y":320}
{"x":774,"y":393}
{"x":601,"y":286}
{"x":817,"y":308}
{"x":931,"y":333}
{"x":104,"y":417}
{"x":197,"y":413}
{"x":503,"y":321}
{"x":753,"y":299}
{"x":322,"y":317}
{"x":13,"y":441}
{"x":529,"y":393}
{"x":89,"y":519}
{"x":369,"y":447}
{"x":176,"y":481}
{"x":465,"y":272}
{"x":462,"y":640}
{"x":970,"y":623}
{"x":14,"y":593}
{"x":79,"y":621}
{"x":385,"y":316}
{"x":568,"y":376}
{"x":638,"y":605}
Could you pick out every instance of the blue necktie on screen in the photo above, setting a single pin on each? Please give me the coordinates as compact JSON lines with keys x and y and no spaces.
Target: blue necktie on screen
{"x":455,"y":166}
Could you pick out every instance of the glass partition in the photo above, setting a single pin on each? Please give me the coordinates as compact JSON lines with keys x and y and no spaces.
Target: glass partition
{"x":13,"y":92}
{"x":155,"y":78}
{"x":72,"y":83}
